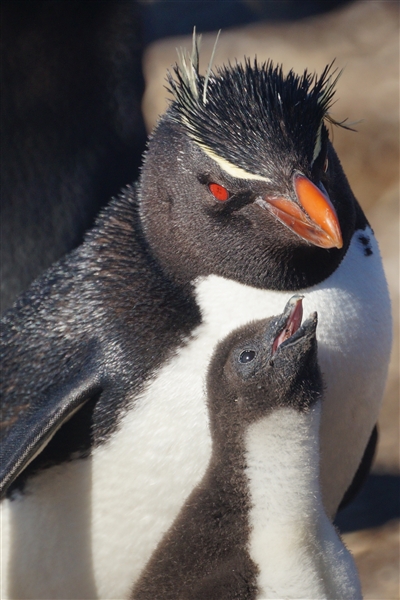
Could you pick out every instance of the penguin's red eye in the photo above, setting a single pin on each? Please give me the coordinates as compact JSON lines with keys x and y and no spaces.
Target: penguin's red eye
{"x":219,"y":192}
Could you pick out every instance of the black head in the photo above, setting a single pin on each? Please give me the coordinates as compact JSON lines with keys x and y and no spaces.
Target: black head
{"x":240,"y":178}
{"x":263,"y":366}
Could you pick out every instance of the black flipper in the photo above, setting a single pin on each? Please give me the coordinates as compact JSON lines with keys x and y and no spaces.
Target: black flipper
{"x":362,"y":471}
{"x":33,"y":431}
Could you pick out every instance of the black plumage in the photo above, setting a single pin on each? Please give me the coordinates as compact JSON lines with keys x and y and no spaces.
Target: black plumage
{"x":91,"y":323}
{"x":261,"y":115}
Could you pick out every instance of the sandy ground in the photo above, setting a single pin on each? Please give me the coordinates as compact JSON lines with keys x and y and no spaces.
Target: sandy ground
{"x":364,"y":39}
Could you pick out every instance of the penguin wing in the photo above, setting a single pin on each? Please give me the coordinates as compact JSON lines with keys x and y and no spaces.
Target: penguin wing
{"x":363,"y":470}
{"x":33,"y":429}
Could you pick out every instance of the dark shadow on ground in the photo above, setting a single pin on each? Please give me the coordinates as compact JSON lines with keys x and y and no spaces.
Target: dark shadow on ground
{"x":377,"y":503}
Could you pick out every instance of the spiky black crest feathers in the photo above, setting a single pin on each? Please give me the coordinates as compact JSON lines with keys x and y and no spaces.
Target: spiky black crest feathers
{"x":241,"y":111}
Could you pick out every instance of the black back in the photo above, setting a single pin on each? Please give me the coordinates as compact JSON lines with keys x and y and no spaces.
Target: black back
{"x":105,"y":315}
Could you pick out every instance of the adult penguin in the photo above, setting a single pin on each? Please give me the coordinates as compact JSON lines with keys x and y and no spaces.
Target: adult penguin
{"x":241,"y":201}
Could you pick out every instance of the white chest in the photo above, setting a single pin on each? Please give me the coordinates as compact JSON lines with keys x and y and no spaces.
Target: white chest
{"x":102,"y":518}
{"x":293,"y":543}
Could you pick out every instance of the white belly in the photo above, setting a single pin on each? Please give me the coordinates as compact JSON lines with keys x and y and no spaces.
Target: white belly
{"x":89,"y":527}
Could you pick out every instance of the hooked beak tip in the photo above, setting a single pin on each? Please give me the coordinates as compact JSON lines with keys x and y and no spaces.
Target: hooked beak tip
{"x":313,"y":218}
{"x":320,"y":210}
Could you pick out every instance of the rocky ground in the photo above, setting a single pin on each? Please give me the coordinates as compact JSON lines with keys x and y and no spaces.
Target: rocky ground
{"x":363,"y":37}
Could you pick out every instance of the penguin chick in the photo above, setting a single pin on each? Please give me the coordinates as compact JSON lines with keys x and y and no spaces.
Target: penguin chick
{"x":255,"y":527}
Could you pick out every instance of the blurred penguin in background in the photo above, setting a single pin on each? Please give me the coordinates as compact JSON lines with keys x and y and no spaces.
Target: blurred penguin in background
{"x":71,"y":126}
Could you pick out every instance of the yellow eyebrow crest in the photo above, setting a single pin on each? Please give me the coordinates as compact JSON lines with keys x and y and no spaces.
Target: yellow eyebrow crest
{"x":229,"y":168}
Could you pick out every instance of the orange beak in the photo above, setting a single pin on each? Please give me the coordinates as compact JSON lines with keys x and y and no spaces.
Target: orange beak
{"x":317,"y":223}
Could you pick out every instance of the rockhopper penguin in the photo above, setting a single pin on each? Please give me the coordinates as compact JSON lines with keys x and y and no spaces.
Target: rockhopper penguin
{"x":255,"y":526}
{"x":241,"y":202}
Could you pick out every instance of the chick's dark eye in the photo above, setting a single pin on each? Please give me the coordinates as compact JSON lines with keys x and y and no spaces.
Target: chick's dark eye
{"x":247,"y":356}
{"x":218,"y":191}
